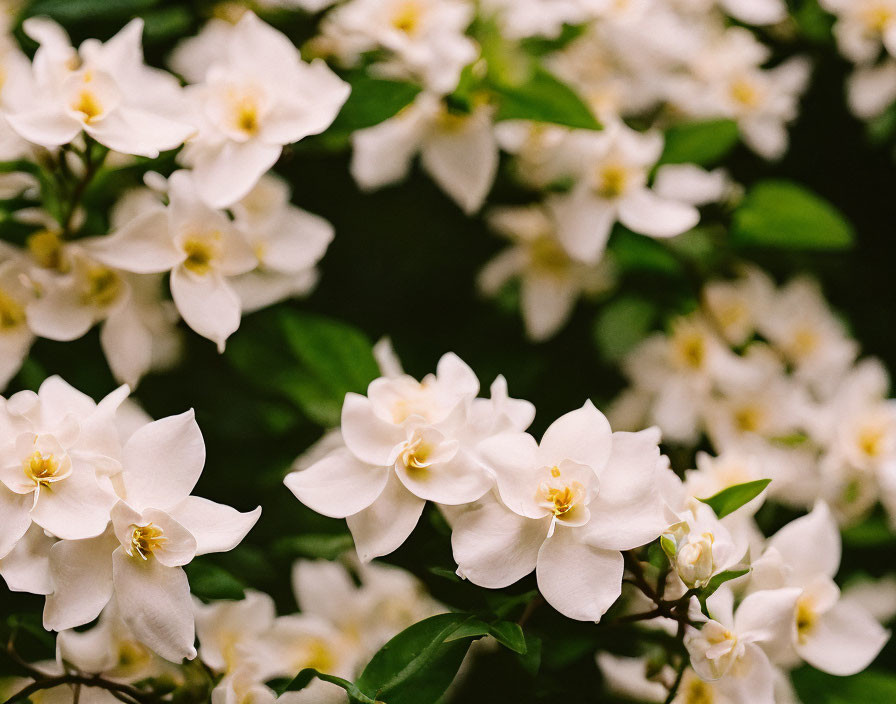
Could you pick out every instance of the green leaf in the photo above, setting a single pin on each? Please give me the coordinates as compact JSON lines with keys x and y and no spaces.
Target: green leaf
{"x":418,"y":665}
{"x":372,"y":101}
{"x":621,"y":325}
{"x":786,"y":215}
{"x":510,"y":635}
{"x":729,"y":500}
{"x":66,"y":11}
{"x":633,"y":252}
{"x":719,"y":579}
{"x":311,"y":360}
{"x":704,"y":143}
{"x":541,"y":97}
{"x":166,"y":23}
{"x":821,"y":688}
{"x":873,"y":532}
{"x":305,"y":677}
{"x":531,"y":659}
{"x":315,"y":546}
{"x":208,"y":581}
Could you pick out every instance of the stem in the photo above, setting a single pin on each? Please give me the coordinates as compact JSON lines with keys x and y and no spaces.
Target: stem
{"x":529,"y":610}
{"x":91,"y":166}
{"x":673,"y":690}
{"x":120,"y":691}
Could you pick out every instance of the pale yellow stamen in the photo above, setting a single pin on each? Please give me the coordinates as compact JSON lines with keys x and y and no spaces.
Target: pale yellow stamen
{"x":40,"y":468}
{"x":200,"y":253}
{"x":46,"y":248}
{"x":88,"y":105}
{"x":612,"y":180}
{"x":805,"y":619}
{"x":408,"y":17}
{"x":12,"y":313}
{"x":102,"y":286}
{"x":744,"y":92}
{"x":145,"y":540}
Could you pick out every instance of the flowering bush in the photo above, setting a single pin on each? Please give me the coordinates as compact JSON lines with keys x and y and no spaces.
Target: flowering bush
{"x":608,"y":219}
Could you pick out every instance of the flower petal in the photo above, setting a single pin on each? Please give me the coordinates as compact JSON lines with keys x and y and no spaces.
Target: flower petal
{"x":338,"y":485}
{"x":583,"y":436}
{"x":383,"y":526}
{"x":580,"y":581}
{"x":162,"y":462}
{"x":845,"y":640}
{"x":154,"y":601}
{"x":818,"y":529}
{"x":644,"y":212}
{"x":493,"y":546}
{"x":207,"y":303}
{"x":216,"y":527}
{"x":369,"y":438}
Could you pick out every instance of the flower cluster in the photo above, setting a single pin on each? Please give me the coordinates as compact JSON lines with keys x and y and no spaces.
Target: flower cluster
{"x":222,"y":229}
{"x":769,"y":375}
{"x":244,"y":644}
{"x":96,"y":506}
{"x":569,"y":506}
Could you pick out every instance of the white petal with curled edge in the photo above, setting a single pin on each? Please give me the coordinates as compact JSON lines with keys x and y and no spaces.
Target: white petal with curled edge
{"x":818,"y":529}
{"x":144,"y":245}
{"x":15,"y":518}
{"x":547,"y":301}
{"x":383,"y":526}
{"x":753,"y":678}
{"x":155,"y":602}
{"x":382,"y":154}
{"x":628,"y":510}
{"x":493,"y":546}
{"x":82,"y":581}
{"x":162,"y":462}
{"x":644,"y":212}
{"x":845,"y":640}
{"x":456,"y":376}
{"x":75,"y":507}
{"x":127,"y":344}
{"x":463,"y":159}
{"x":207,"y":303}
{"x":27,"y":567}
{"x":580,"y":581}
{"x":228,"y":174}
{"x":216,"y":527}
{"x":131,"y":130}
{"x":297,"y":242}
{"x":46,"y":127}
{"x":584,"y":223}
{"x":338,"y":485}
{"x":583,"y":436}
{"x":458,"y":481}
{"x":369,"y":437}
{"x":512,"y":458}
{"x":59,"y":315}
{"x":767,"y":616}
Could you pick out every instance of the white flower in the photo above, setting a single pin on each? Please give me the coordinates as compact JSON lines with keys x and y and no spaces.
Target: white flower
{"x":59,"y":448}
{"x":403,"y":447}
{"x":550,"y":279}
{"x":872,"y":89}
{"x":287,"y":241}
{"x":15,"y":335}
{"x":27,"y":567}
{"x":104,"y":90}
{"x":157,"y":527}
{"x":424,"y":38}
{"x":257,"y":97}
{"x":737,"y":306}
{"x":614,"y":169}
{"x":700,"y":547}
{"x":832,"y":634}
{"x":728,"y":648}
{"x":459,"y":151}
{"x":567,"y":507}
{"x":229,"y":631}
{"x":201,"y":248}
{"x":863,"y":26}
{"x":111,"y":649}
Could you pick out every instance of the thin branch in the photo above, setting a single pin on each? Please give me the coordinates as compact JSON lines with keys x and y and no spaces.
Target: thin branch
{"x":123,"y":692}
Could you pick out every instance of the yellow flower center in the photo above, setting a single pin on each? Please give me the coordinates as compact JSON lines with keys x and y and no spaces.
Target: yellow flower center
{"x":698,"y":692}
{"x":145,"y":540}
{"x":871,"y":441}
{"x":12,"y":313}
{"x":41,"y":468}
{"x":744,"y":92}
{"x":408,"y":17}
{"x":690,"y":347}
{"x":804,"y":343}
{"x":548,"y":256}
{"x":806,"y":618}
{"x":88,"y":105}
{"x":200,"y":253}
{"x":748,"y":419}
{"x":102,"y":286}
{"x":612,"y":180}
{"x":246,"y":117}
{"x":46,"y":247}
{"x":877,"y":17}
{"x":317,"y":653}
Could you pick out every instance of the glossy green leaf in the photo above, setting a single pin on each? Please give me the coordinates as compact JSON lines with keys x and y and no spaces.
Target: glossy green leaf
{"x":306,"y":676}
{"x":704,"y":143}
{"x":543,"y":98}
{"x":785,"y":215}
{"x":372,"y":101}
{"x":729,"y":500}
{"x":418,"y":665}
{"x":719,"y":579}
{"x":866,"y":687}
{"x":208,"y":581}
